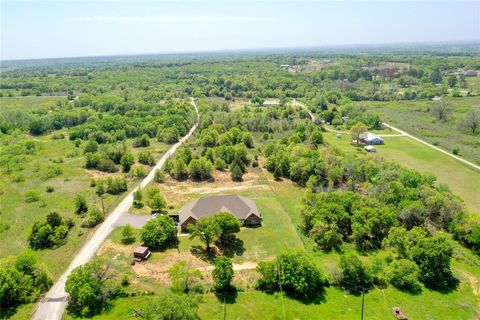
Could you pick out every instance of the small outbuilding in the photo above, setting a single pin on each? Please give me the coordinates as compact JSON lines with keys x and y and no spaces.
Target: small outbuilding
{"x":369,"y":138}
{"x":242,"y":208}
{"x":141,"y":253}
{"x":369,"y":148}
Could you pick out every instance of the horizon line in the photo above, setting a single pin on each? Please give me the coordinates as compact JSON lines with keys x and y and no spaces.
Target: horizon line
{"x":258,"y":49}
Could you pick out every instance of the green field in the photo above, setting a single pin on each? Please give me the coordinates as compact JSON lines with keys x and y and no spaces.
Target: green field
{"x":463,"y":180}
{"x":414,"y":117}
{"x":29,"y":103}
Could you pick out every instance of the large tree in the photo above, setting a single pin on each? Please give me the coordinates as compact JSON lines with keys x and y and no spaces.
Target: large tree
{"x":159,"y":232}
{"x":470,"y":121}
{"x":228,"y":224}
{"x":354,"y":274}
{"x":433,"y":256}
{"x":294,"y":272}
{"x":441,"y":110}
{"x":357,"y":130}
{"x":171,"y":306}
{"x":89,"y":288}
{"x":184,"y":278}
{"x":206,"y":229}
{"x":223,"y":274}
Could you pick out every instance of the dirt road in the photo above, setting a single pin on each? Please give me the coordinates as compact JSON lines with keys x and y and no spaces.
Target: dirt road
{"x":53,"y":305}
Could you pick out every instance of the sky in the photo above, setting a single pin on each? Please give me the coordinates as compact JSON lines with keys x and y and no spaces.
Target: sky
{"x":48,"y":29}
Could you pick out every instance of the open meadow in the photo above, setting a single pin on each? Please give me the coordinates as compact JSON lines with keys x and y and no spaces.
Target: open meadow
{"x":280,"y":205}
{"x":416,"y":118}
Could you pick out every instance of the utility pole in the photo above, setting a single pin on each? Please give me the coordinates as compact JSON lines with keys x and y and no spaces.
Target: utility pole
{"x":363,"y":301}
{"x":103,"y":207}
{"x":224,"y":309}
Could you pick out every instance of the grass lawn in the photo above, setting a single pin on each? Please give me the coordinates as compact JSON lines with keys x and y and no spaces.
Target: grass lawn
{"x":19,"y":215}
{"x":280,"y":208}
{"x":28,"y":103}
{"x":414,"y":117}
{"x":463,"y":180}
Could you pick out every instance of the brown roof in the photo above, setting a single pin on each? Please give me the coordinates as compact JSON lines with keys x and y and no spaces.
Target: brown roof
{"x":239,"y":206}
{"x":141,"y":250}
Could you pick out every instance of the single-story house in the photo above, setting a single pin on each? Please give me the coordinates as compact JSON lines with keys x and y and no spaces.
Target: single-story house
{"x":243,"y":208}
{"x":141,"y":253}
{"x":470,"y":73}
{"x":369,"y":148}
{"x":370,"y":138}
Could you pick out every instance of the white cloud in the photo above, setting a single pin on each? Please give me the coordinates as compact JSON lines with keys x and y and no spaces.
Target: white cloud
{"x":175,"y":19}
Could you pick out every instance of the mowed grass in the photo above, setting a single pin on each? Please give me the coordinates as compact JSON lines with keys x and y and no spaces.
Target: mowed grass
{"x":463,"y":180}
{"x":28,"y":103}
{"x":414,"y":117}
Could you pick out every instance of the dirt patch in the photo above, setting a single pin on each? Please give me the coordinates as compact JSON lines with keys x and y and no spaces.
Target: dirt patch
{"x":109,"y":245}
{"x":158,"y":270}
{"x":177,"y":192}
{"x":473,"y":283}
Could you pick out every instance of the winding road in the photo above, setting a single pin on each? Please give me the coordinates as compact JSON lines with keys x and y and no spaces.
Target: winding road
{"x":401,"y":133}
{"x":52,"y":306}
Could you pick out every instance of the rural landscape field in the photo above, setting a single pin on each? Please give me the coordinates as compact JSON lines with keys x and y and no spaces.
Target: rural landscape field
{"x":307,"y":182}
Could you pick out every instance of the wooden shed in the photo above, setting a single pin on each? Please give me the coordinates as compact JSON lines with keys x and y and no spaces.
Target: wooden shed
{"x":141,"y":253}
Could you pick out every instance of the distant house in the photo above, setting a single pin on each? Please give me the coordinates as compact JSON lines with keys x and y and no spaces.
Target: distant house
{"x":345,"y":119}
{"x":270,"y":103}
{"x":369,"y":148}
{"x":244,"y":209}
{"x":141,"y":253}
{"x":470,"y":73}
{"x":370,"y":138}
{"x":284,"y":66}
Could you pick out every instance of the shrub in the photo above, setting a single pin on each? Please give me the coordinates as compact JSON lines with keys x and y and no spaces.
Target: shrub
{"x":295,"y":271}
{"x":143,"y":141}
{"x":146,"y":158}
{"x":456,"y":151}
{"x":80,"y":204}
{"x":19,"y":178}
{"x":94,"y":216}
{"x":139,"y":172}
{"x":128,"y":234}
{"x":159,"y":176}
{"x":220,"y":164}
{"x":127,"y":161}
{"x":200,"y":169}
{"x":355,"y":275}
{"x":403,"y":274}
{"x":49,"y":189}
{"x":159,"y":232}
{"x":50,"y":171}
{"x":32,"y":196}
{"x":50,"y":233}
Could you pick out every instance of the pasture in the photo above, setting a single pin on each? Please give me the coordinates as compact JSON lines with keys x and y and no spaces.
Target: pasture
{"x":461,"y":179}
{"x":415,"y":117}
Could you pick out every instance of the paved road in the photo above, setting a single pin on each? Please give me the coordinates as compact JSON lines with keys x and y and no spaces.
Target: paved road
{"x":401,"y":134}
{"x":55,"y":301}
